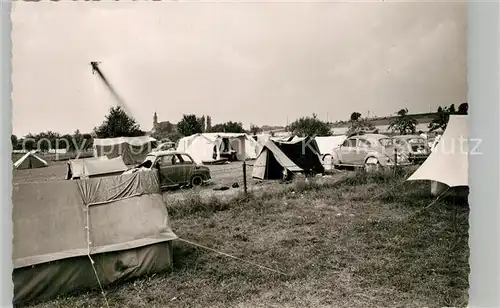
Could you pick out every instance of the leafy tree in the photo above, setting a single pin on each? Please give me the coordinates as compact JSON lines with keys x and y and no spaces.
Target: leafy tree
{"x":208,"y":127}
{"x":28,"y":142}
{"x":164,"y":131}
{"x":46,"y":140}
{"x":14,"y":141}
{"x":355,"y":116}
{"x":228,"y":127}
{"x":309,"y":126}
{"x":118,"y":124}
{"x":87,"y":141}
{"x":358,"y":123}
{"x":202,"y":121}
{"x":189,"y":125}
{"x":463,"y":108}
{"x":254,"y":129}
{"x":66,"y":142}
{"x":404,"y":124}
{"x":440,"y":121}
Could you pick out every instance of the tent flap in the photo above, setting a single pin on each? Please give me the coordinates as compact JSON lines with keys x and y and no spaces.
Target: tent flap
{"x":113,"y":188}
{"x":448,"y":161}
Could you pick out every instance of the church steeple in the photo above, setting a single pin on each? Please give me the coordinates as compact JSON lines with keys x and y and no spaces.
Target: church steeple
{"x":155,"y":121}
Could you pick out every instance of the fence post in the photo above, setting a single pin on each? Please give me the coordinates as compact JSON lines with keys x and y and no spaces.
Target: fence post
{"x":245,"y":176}
{"x":395,"y":160}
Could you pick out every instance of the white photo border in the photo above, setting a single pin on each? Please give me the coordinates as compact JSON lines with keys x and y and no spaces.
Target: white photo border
{"x":483,"y":60}
{"x":6,"y":150}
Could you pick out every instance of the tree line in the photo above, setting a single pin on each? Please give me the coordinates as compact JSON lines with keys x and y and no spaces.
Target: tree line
{"x":118,"y":124}
{"x":403,"y":124}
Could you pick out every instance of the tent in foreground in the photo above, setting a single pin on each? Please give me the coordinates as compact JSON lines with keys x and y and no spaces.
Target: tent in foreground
{"x":118,"y":222}
{"x":132,"y":149}
{"x":447,"y":165}
{"x":273,"y":164}
{"x":30,"y":160}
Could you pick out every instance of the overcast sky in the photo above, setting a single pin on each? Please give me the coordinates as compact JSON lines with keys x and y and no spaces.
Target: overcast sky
{"x":249,"y":62}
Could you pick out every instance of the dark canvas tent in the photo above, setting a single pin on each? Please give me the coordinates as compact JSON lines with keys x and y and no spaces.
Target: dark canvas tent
{"x":304,"y":152}
{"x":64,"y":230}
{"x":133,"y":150}
{"x":272,"y":163}
{"x":30,"y":160}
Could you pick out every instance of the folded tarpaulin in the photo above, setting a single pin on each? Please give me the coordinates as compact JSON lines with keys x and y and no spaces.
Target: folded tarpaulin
{"x":114,"y":188}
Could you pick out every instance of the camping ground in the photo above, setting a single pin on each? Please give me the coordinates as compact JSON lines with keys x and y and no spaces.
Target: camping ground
{"x":357,"y":240}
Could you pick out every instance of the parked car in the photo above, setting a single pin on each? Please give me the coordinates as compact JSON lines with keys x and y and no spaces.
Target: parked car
{"x":178,"y":169}
{"x":370,"y":151}
{"x":414,"y":146}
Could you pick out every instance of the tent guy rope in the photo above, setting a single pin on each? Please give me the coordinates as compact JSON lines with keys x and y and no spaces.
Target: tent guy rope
{"x":87,"y":228}
{"x":233,"y":257}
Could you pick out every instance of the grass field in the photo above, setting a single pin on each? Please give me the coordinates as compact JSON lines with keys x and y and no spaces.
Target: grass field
{"x":367,"y":241}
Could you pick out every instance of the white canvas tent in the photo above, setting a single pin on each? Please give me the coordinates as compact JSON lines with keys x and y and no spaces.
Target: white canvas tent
{"x":30,"y":160}
{"x":326,"y":145}
{"x":94,"y":167}
{"x":207,"y":147}
{"x":448,"y":162}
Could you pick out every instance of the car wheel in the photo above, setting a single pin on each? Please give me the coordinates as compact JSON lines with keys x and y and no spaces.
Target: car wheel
{"x":372,"y":164}
{"x":196,"y":181}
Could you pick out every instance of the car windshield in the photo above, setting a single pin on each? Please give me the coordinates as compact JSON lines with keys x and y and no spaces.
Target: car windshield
{"x":386,"y":142}
{"x":416,"y":141}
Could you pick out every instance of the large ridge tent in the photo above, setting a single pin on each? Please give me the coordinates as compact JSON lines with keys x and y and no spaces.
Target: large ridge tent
{"x":95,"y":166}
{"x":132,"y":149}
{"x":64,"y":230}
{"x":273,"y":164}
{"x":447,"y":165}
{"x":30,"y":160}
{"x":208,"y":147}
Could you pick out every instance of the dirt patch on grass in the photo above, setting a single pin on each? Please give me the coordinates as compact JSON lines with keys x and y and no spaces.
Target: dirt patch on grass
{"x":367,"y":242}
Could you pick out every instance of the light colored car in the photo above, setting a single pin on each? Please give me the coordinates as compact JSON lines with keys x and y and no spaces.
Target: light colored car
{"x":165,"y":146}
{"x":178,"y":169}
{"x":414,"y":146}
{"x":369,"y":151}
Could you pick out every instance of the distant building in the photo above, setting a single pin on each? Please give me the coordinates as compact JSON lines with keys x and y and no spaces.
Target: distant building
{"x":162,"y":127}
